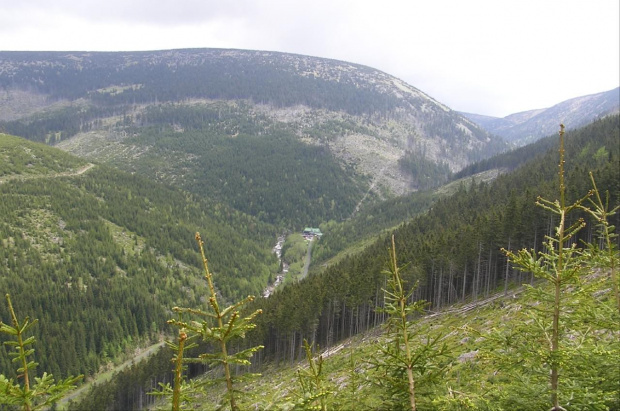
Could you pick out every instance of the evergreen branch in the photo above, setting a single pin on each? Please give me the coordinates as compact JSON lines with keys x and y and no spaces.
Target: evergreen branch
{"x":238,"y":304}
{"x":44,"y":392}
{"x":193,"y":311}
{"x":553,"y":206}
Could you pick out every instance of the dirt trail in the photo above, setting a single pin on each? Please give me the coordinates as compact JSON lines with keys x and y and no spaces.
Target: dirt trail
{"x":53,"y":175}
{"x":372,"y":187}
{"x":304,"y":272}
{"x":82,"y":389}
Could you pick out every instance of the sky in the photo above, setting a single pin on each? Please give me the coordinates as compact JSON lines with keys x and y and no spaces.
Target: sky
{"x":492,"y":57}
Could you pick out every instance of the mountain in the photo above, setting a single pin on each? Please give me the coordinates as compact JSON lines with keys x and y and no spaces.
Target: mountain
{"x":451,"y":257}
{"x":449,"y":247}
{"x":288,"y":138}
{"x":100,"y":256}
{"x":528,"y":126}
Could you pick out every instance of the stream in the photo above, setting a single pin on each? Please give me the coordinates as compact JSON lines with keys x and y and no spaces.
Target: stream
{"x":277,"y":250}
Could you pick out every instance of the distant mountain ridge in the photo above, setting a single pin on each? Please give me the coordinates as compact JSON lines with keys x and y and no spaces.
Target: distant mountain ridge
{"x":368,"y":121}
{"x":528,"y":126}
{"x":72,"y":75}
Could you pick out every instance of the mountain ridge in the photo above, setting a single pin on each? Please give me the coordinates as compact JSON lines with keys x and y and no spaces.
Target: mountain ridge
{"x":372,"y":120}
{"x":530,"y":125}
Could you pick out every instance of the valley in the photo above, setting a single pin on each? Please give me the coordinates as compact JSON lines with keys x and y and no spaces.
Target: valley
{"x":111,"y":163}
{"x":529,"y":126}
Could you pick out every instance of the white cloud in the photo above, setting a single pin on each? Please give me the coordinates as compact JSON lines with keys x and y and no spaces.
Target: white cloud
{"x":491,"y":57}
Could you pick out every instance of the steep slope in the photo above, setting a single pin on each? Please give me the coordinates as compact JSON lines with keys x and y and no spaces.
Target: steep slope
{"x":364,"y":120}
{"x":528,"y":126}
{"x":100,"y":256}
{"x":452,"y":253}
{"x":472,"y":375}
{"x":453,"y":250}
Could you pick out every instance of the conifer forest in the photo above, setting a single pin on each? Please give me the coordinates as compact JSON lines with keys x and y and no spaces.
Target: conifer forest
{"x":224,"y":233}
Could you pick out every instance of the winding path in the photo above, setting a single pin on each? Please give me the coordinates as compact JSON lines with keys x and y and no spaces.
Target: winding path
{"x":77,"y":172}
{"x":82,"y":389}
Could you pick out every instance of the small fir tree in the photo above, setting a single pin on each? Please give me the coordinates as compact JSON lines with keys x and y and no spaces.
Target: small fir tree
{"x":313,"y":392}
{"x":413,"y":356}
{"x":607,"y":255}
{"x":219,"y":327}
{"x":555,"y":342}
{"x":28,"y":395}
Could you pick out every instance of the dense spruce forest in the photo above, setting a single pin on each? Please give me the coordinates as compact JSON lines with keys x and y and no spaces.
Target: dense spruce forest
{"x":101,"y":257}
{"x":249,"y":162}
{"x":452,"y":252}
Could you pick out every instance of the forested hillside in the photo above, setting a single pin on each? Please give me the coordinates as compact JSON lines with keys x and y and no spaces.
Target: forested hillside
{"x":247,"y":161}
{"x":453,"y":253}
{"x":453,"y":250}
{"x":369,"y":225}
{"x":337,"y":130}
{"x":100,"y":256}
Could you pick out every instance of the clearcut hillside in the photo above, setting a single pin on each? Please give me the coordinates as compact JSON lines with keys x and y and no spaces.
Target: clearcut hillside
{"x":297,"y":126}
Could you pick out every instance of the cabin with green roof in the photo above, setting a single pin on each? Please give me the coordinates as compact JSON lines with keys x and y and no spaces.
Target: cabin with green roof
{"x":310,"y":233}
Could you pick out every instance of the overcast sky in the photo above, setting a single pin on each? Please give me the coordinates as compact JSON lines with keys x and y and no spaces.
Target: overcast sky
{"x":493,"y":57}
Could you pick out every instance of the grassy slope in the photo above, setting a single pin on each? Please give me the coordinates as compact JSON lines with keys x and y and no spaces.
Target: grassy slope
{"x":463,"y":327}
{"x":19,"y":157}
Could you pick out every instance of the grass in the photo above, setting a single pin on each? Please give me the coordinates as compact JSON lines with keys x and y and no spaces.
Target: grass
{"x":128,"y":240}
{"x":20,"y":158}
{"x":44,"y":229}
{"x":467,"y":329}
{"x":279,"y":381}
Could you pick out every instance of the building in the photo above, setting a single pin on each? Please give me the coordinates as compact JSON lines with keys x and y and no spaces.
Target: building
{"x":310,"y":233}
